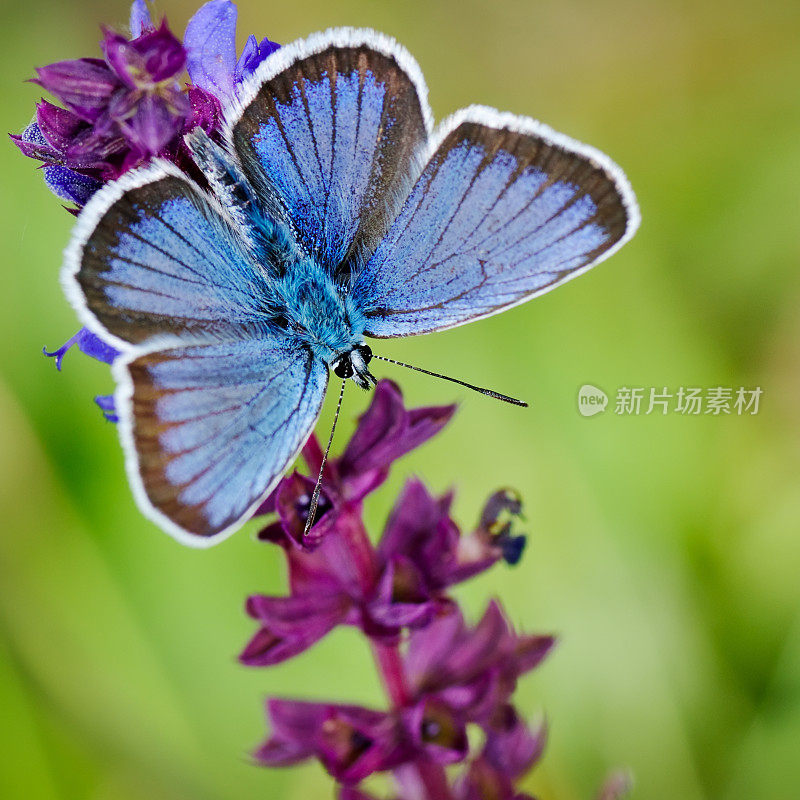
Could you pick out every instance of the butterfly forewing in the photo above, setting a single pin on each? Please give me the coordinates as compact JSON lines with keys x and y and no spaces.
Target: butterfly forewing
{"x":505,"y":210}
{"x":335,"y":125}
{"x":162,"y":259}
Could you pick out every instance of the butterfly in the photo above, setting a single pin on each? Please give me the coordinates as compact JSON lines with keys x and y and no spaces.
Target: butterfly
{"x":332,"y":212}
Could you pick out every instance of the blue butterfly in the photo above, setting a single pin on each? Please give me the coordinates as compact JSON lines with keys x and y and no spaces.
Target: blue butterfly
{"x":336,"y":212}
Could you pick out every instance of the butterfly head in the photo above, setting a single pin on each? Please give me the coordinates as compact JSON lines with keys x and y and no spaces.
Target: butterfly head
{"x":353,"y":364}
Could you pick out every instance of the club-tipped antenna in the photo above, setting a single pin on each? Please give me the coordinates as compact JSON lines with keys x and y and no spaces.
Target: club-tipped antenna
{"x":312,"y":509}
{"x":488,"y":392}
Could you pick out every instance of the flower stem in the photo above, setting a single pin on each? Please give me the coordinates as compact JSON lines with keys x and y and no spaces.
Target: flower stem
{"x":432,"y":777}
{"x":390,"y":668}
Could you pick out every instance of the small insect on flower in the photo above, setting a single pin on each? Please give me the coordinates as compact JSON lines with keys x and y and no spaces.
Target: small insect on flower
{"x":329,"y":211}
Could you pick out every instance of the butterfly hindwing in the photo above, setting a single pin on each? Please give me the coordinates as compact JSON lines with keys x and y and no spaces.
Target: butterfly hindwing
{"x":209,"y":428}
{"x":504,"y":210}
{"x":335,"y":124}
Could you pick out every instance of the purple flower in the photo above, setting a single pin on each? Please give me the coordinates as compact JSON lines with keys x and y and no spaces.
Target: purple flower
{"x":116,"y":113}
{"x":351,"y":742}
{"x":420,"y":530}
{"x":397,"y":586}
{"x":444,"y":676}
{"x":120,"y":111}
{"x":146,"y":62}
{"x":210,"y":42}
{"x":95,"y":347}
{"x":511,"y":746}
{"x":459,"y":675}
{"x":150,"y":110}
{"x":473,"y":670}
{"x":87,"y":343}
{"x":432,"y":722}
{"x":400,"y":584}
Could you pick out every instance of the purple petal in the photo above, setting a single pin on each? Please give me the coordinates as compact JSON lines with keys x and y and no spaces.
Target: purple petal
{"x":511,"y":747}
{"x":354,"y":793}
{"x":140,"y":21}
{"x":32,"y":144}
{"x":531,"y":650}
{"x":84,"y":85}
{"x":146,"y":61}
{"x":205,"y":113}
{"x":402,"y":598}
{"x":70,"y":185}
{"x":253,"y":54}
{"x":385,"y":432}
{"x":154,"y":122}
{"x":290,"y":625}
{"x":88,"y":343}
{"x":94,"y":149}
{"x":58,"y":126}
{"x":483,"y":780}
{"x":483,"y":647}
{"x":294,"y":727}
{"x":106,"y":404}
{"x":448,"y":654}
{"x":163,"y":54}
{"x":420,"y":528}
{"x":210,"y":42}
{"x":428,"y":647}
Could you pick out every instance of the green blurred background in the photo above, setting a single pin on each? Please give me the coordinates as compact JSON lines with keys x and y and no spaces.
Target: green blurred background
{"x":664,"y":550}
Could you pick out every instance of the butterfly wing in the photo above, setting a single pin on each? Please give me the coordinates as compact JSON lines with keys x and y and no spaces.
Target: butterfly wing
{"x":208,"y":429}
{"x":505,"y":209}
{"x":334,"y":124}
{"x":213,"y":402}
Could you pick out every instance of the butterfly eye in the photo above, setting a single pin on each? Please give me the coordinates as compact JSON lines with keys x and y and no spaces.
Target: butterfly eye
{"x":366,"y":352}
{"x":343,"y":368}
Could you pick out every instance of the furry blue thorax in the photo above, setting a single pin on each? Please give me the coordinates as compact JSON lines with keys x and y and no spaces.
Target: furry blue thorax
{"x":317,"y":310}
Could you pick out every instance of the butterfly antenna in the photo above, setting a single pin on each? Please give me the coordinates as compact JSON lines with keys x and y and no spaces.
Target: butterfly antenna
{"x":488,"y":392}
{"x":312,"y":509}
